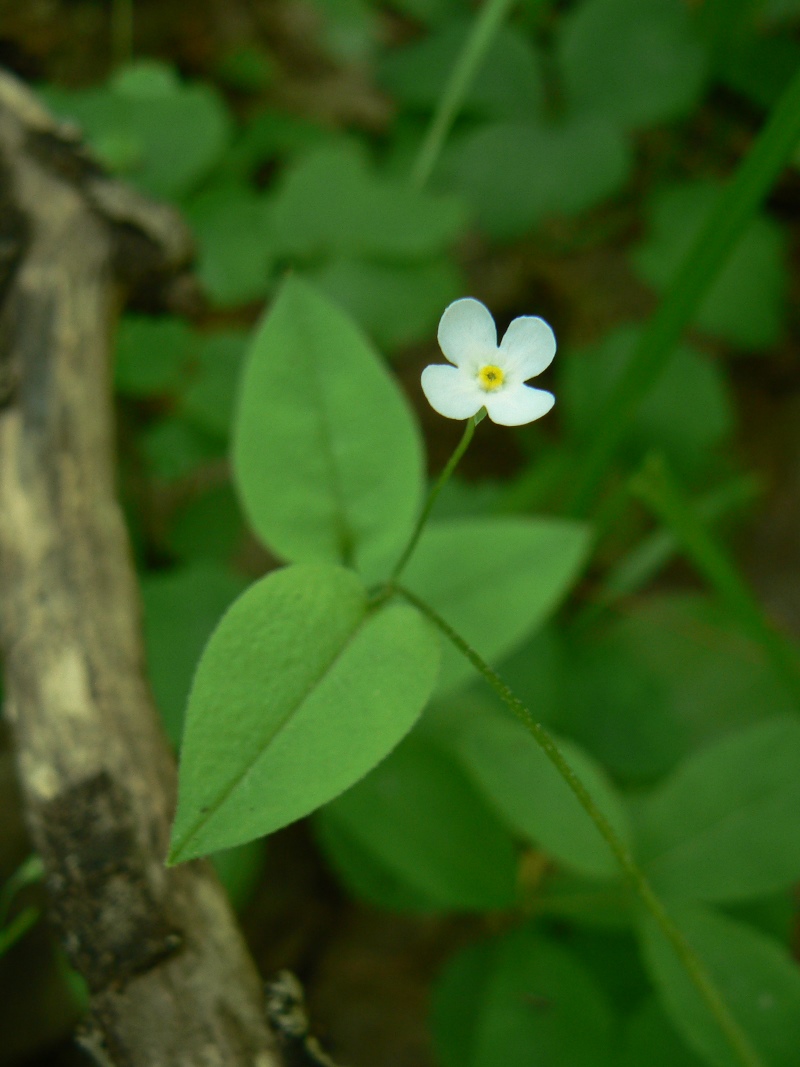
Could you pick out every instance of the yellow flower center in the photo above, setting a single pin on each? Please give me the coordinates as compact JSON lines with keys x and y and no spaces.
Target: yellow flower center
{"x":490,"y":378}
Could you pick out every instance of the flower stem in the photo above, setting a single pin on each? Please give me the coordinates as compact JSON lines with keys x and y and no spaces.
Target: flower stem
{"x":441,"y":481}
{"x":485,"y":27}
{"x":736,"y":1038}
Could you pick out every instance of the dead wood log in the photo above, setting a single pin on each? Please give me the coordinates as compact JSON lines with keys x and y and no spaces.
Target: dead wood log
{"x":170,"y":980}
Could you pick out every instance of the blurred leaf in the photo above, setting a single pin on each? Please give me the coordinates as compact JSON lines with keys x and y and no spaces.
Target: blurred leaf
{"x":529,"y":793}
{"x":209,"y":399}
{"x":686,"y":414}
{"x":181,"y":609}
{"x":152,"y":355}
{"x":235,"y":248}
{"x":649,"y":1038}
{"x":173,"y":448}
{"x":148,"y":125}
{"x":745,"y":304}
{"x":208,"y":527}
{"x":246,"y":68}
{"x":636,"y":61}
{"x":516,"y":174}
{"x":332,"y":203}
{"x":756,"y":976}
{"x":494,"y":580}
{"x":349,"y":29}
{"x":519,"y":1001}
{"x":240,"y":870}
{"x":508,"y":83}
{"x":268,"y":137}
{"x":724,"y":826}
{"x":327,"y":455}
{"x":300,"y":691}
{"x":421,"y":825}
{"x":395,"y":303}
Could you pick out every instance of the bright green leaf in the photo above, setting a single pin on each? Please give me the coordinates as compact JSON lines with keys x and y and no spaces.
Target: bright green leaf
{"x":725,"y":825}
{"x":495,"y":580}
{"x":755,"y":975}
{"x":520,"y":1001}
{"x":650,"y":1039}
{"x":636,"y":61}
{"x":526,"y":789}
{"x":745,"y":304}
{"x":300,"y":691}
{"x":327,"y":456}
{"x":423,"y":825}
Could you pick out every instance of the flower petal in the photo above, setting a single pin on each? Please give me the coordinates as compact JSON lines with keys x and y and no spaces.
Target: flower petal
{"x":451,"y":392}
{"x":517,"y":404}
{"x":529,"y":345}
{"x":467,"y":333}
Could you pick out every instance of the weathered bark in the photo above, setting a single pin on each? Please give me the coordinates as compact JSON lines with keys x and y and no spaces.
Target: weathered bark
{"x":169,"y":976}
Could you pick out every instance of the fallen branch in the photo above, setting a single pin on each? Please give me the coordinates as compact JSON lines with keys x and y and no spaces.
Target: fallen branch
{"x":169,"y":977}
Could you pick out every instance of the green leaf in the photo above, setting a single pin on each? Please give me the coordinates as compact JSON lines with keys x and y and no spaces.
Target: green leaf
{"x":181,"y":609}
{"x":149,"y":126}
{"x":327,"y":456}
{"x":152,"y":355}
{"x":208,"y":527}
{"x":687,"y":413}
{"x":520,"y":1001}
{"x":725,"y":826}
{"x":522,"y":784}
{"x":300,"y":691}
{"x":515,"y":174}
{"x":332,"y":203}
{"x":756,"y":976}
{"x":240,"y":870}
{"x":745,"y":304}
{"x":236,"y":251}
{"x":507,"y":84}
{"x":650,"y":1039}
{"x":494,"y":580}
{"x":395,"y":303}
{"x":423,"y":827}
{"x":636,"y":61}
{"x":174,"y":448}
{"x":209,"y":399}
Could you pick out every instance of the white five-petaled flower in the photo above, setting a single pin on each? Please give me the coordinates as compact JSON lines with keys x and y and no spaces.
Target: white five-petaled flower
{"x":485,"y":375}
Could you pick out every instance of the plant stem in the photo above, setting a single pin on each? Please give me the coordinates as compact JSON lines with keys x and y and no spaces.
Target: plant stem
{"x":698,"y":269}
{"x":483,"y":30}
{"x":656,"y":486}
{"x":443,"y":478}
{"x":737,"y":1040}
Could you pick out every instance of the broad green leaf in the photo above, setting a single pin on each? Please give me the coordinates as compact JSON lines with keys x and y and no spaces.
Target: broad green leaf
{"x":332,"y":203}
{"x":515,"y":174}
{"x":755,"y":975}
{"x":208,"y":401}
{"x":520,"y":1001}
{"x":650,"y":1039}
{"x":208,"y":527}
{"x":146,"y":124}
{"x":236,"y":251}
{"x":426,"y":831}
{"x":300,"y":691}
{"x":507,"y":84}
{"x":174,"y":448}
{"x":636,"y":61}
{"x":395,"y":303}
{"x":529,"y":793}
{"x":181,"y":608}
{"x":152,"y":355}
{"x":686,"y":415}
{"x":745,"y":304}
{"x":726,"y":825}
{"x":327,"y":456}
{"x":495,"y":580}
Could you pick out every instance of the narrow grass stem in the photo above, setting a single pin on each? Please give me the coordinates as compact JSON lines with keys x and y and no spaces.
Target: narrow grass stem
{"x":694,"y":277}
{"x":738,"y":1041}
{"x":490,"y":18}
{"x":441,"y":481}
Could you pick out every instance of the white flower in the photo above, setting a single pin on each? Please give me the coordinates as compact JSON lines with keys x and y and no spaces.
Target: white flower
{"x":485,"y":375}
